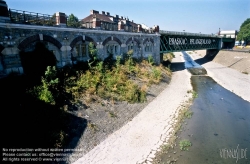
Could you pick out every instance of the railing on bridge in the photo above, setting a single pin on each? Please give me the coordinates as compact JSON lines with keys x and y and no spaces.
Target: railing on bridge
{"x":19,"y":16}
{"x":33,"y":18}
{"x":171,"y":41}
{"x":187,"y":33}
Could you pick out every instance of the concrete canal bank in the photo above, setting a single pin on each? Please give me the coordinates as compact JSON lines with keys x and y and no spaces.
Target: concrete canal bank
{"x":140,"y":139}
{"x":220,"y":122}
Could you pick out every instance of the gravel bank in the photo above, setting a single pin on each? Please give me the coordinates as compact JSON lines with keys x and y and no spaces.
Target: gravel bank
{"x":139,"y":139}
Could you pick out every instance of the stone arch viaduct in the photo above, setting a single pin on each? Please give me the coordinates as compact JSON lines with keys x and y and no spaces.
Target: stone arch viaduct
{"x":69,"y":45}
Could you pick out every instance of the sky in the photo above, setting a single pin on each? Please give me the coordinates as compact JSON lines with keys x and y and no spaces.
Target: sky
{"x":196,"y":16}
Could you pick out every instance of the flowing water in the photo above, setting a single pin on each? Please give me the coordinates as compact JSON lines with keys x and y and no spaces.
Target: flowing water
{"x":219,"y":129}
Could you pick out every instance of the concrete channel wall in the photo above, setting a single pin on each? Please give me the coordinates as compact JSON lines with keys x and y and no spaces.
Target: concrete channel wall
{"x":239,"y":61}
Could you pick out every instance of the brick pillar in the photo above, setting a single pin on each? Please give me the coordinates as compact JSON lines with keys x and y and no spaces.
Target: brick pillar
{"x":156,"y":29}
{"x":96,"y":23}
{"x":120,"y":26}
{"x":139,"y":29}
{"x":61,"y":19}
{"x":4,"y":13}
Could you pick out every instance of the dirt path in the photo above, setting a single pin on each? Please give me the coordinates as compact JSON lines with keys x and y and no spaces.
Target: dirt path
{"x":141,"y":137}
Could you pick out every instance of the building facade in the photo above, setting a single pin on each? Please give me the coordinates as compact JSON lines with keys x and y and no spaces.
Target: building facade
{"x":228,"y":38}
{"x":105,"y":21}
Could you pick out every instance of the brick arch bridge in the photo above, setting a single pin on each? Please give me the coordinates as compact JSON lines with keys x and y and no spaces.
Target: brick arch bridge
{"x":16,"y":37}
{"x":39,"y":37}
{"x":83,"y":39}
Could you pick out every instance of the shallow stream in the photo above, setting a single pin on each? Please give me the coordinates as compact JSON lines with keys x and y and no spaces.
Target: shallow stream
{"x":219,"y":129}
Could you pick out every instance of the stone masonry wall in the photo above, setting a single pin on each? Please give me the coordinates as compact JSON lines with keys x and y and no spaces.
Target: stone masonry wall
{"x":16,"y":37}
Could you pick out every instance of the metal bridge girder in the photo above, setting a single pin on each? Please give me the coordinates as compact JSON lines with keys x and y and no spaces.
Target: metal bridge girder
{"x":184,"y":42}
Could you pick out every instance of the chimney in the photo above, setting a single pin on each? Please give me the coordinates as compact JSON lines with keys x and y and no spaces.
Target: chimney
{"x":94,"y":12}
{"x":60,"y":19}
{"x":120,"y":26}
{"x":139,"y":29}
{"x":121,"y":17}
{"x":132,"y":21}
{"x":156,"y":29}
{"x":117,"y":16}
{"x":108,"y":14}
{"x":103,"y":12}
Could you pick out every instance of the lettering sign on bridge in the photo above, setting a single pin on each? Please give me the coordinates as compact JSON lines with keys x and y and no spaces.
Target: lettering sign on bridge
{"x":171,"y":42}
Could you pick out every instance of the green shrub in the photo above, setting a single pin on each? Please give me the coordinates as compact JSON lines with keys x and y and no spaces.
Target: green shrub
{"x":47,"y":91}
{"x":184,"y":144}
{"x":150,"y":60}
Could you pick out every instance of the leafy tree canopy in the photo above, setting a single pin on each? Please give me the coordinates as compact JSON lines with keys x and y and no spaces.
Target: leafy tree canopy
{"x":247,"y":21}
{"x":73,"y":21}
{"x":244,"y":33}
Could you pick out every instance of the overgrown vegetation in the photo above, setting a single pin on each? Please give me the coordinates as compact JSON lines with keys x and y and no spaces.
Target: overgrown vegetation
{"x":194,"y":94}
{"x":184,"y":113}
{"x":184,"y":144}
{"x":123,"y":79}
{"x":47,"y":90}
{"x":126,"y":81}
{"x":168,"y":56}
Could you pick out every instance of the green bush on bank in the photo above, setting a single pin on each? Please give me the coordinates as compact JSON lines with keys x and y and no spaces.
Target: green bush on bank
{"x":117,"y":82}
{"x":124,"y":79}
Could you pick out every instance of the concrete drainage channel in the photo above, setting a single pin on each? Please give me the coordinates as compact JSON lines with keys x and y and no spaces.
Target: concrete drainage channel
{"x":219,"y":128}
{"x":193,"y":67}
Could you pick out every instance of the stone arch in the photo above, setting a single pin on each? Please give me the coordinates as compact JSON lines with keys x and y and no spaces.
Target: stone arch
{"x":133,"y":39}
{"x":135,"y":45}
{"x":36,"y":61}
{"x":52,"y":40}
{"x":148,"y":40}
{"x":148,"y":45}
{"x":80,"y":38}
{"x":111,"y":38}
{"x":35,"y":38}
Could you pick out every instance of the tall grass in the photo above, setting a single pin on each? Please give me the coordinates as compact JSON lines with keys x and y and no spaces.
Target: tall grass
{"x":125,"y":80}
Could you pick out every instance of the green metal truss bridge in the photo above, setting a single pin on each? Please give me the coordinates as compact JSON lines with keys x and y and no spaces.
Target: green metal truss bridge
{"x":183,"y":41}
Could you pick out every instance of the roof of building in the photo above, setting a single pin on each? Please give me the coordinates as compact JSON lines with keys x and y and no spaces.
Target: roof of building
{"x":100,"y":17}
{"x":133,"y":24}
{"x":106,"y":18}
{"x":228,"y":32}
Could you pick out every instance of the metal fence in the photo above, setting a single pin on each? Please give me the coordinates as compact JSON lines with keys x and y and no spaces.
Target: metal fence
{"x":32,"y":18}
{"x":25,"y":17}
{"x":187,"y":33}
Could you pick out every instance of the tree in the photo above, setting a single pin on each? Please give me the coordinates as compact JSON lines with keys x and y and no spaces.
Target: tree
{"x":247,"y":21}
{"x":244,"y":33}
{"x":73,"y":21}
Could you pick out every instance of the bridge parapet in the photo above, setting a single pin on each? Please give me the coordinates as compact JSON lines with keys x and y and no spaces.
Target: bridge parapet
{"x":70,"y":45}
{"x":172,"y":41}
{"x":187,"y":33}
